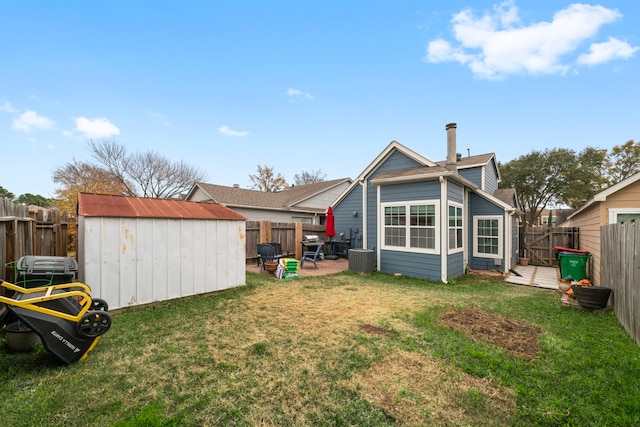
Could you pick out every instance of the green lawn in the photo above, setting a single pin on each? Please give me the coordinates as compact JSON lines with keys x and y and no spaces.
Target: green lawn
{"x":341,"y":350}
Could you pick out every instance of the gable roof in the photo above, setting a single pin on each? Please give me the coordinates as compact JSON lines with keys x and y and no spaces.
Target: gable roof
{"x":393,"y":146}
{"x":602,"y":196}
{"x":509,"y":196}
{"x":289,"y":198}
{"x":420,"y":174}
{"x":471,"y":161}
{"x":109,"y":205}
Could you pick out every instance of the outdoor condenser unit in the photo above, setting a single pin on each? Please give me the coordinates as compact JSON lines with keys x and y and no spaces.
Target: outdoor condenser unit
{"x":361,"y":260}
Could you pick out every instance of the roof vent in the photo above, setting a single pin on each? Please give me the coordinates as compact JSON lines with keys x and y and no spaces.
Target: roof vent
{"x":236,"y":185}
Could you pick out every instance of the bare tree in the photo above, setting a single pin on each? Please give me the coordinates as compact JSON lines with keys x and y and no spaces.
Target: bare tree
{"x":309,"y":177}
{"x":145,"y":174}
{"x":267,"y":180}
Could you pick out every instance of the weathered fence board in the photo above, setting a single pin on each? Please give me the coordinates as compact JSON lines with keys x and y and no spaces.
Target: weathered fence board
{"x":279,"y":232}
{"x":620,"y":270}
{"x":42,"y":232}
{"x":539,"y":243}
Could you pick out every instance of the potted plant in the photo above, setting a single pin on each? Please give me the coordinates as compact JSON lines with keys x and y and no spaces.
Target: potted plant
{"x":589,"y":296}
{"x":20,"y":337}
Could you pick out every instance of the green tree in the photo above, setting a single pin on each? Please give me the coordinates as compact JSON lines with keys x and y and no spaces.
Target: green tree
{"x":624,"y":161}
{"x":539,"y":178}
{"x":309,"y":177}
{"x":267,"y":180}
{"x":588,"y":178}
{"x":36,"y":200}
{"x":6,"y":193}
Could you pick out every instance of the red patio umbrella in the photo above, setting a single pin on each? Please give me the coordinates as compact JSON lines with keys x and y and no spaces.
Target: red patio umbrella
{"x":329,"y":227}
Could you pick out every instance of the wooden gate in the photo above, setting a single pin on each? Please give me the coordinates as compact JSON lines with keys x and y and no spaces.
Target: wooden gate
{"x":539,"y":243}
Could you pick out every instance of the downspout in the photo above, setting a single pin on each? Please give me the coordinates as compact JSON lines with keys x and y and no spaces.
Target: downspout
{"x":364,"y":213}
{"x":444,"y":226}
{"x":379,"y":226}
{"x":508,"y":261}
{"x":465,"y":229}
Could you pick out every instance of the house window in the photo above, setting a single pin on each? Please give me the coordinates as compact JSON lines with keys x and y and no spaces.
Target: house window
{"x":617,"y":215}
{"x":410,"y":226}
{"x":487,"y":236}
{"x":545,"y":220}
{"x":455,"y":227}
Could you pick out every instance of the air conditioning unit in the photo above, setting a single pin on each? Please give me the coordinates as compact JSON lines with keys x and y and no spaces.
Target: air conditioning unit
{"x":361,"y":260}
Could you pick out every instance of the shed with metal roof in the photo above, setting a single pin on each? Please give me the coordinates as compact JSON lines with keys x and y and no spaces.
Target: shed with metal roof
{"x":134,"y":251}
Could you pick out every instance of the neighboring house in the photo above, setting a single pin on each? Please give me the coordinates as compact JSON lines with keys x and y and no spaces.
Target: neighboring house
{"x":303,"y":203}
{"x":618,"y":203}
{"x":139,"y":250}
{"x":558,"y":216}
{"x":431,"y":220}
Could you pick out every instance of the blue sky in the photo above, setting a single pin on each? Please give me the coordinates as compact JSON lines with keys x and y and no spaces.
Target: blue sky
{"x":305,"y":86}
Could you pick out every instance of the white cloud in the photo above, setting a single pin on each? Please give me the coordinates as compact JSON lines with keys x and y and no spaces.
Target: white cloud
{"x":230,"y":132}
{"x":160,"y":118}
{"x":96,"y":128}
{"x":8,"y":108}
{"x":296,"y":92}
{"x":497,"y":44}
{"x":30,"y":121}
{"x":607,"y":51}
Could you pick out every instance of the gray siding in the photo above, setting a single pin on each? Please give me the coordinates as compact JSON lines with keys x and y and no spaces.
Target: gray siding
{"x":345,"y":222}
{"x":491,"y":177}
{"x":472,"y":174}
{"x":421,"y":266}
{"x":426,"y":190}
{"x":455,"y":192}
{"x":455,"y":265}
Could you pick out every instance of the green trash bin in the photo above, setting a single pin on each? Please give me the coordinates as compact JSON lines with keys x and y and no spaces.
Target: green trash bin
{"x":573,"y":264}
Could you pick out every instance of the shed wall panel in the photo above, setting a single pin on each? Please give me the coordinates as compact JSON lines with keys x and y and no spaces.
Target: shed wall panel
{"x":136,"y":261}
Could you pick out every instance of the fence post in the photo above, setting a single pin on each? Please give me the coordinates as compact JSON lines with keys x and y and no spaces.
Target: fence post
{"x":265,"y":232}
{"x":298,"y":238}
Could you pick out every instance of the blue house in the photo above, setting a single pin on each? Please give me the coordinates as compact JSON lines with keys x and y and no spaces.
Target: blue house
{"x":431,"y":220}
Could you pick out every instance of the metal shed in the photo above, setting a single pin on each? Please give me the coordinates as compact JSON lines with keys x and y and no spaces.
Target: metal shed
{"x":135,"y":251}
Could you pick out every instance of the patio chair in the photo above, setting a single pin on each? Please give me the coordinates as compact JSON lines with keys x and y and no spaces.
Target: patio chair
{"x":266,"y":253}
{"x":311,"y":256}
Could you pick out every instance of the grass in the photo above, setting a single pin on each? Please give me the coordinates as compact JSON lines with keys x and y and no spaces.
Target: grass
{"x":336,"y":350}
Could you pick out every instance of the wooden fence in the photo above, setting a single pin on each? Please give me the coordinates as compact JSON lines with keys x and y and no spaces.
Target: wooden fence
{"x":539,"y":243}
{"x":620,"y":270}
{"x":41,"y":232}
{"x":289,"y":235}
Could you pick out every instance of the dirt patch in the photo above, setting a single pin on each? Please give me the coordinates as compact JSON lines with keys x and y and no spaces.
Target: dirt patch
{"x":417,"y":390}
{"x":374,"y":330}
{"x":513,"y":335}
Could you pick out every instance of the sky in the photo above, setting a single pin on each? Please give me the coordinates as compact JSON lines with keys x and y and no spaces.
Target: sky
{"x":310,"y":86}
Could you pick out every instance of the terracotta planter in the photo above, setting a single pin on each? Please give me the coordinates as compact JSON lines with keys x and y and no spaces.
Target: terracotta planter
{"x":564,"y":285}
{"x":524,"y":261}
{"x":20,"y":337}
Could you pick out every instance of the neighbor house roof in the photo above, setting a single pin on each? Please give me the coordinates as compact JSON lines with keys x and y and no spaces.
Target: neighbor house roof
{"x":602,"y":196}
{"x":108,"y":205}
{"x":290,"y":198}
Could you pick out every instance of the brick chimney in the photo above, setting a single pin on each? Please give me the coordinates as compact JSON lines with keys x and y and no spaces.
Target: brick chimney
{"x":452,"y":157}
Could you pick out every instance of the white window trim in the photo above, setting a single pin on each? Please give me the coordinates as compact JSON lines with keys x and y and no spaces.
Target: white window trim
{"x":500,"y":236}
{"x":407,"y":204}
{"x":461,"y":248}
{"x":614,"y":212}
